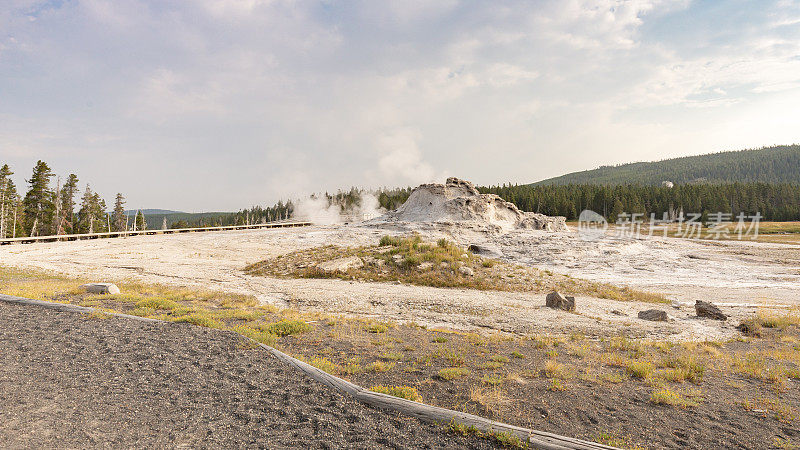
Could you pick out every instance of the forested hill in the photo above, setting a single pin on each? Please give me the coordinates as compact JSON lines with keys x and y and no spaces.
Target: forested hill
{"x":780,"y":164}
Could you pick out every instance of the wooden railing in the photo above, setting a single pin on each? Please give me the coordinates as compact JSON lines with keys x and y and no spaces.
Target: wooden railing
{"x":116,"y":234}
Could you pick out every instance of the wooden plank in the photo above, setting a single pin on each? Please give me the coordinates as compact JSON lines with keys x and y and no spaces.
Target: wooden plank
{"x":428,"y":413}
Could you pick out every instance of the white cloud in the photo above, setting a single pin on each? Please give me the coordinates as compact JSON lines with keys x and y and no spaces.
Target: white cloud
{"x":272,"y":98}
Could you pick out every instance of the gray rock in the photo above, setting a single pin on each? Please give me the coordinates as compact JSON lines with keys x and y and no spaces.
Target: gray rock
{"x":341,"y":264}
{"x":706,"y":309}
{"x":655,"y":315}
{"x":101,"y":288}
{"x":558,"y":301}
{"x":466,"y":271}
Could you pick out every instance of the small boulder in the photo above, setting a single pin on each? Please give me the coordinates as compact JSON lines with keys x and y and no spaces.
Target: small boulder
{"x":341,"y":264}
{"x":466,"y":271}
{"x":558,"y":301}
{"x":425,"y":266}
{"x":706,"y":309}
{"x":485,"y":250}
{"x":655,"y":315}
{"x":101,"y":288}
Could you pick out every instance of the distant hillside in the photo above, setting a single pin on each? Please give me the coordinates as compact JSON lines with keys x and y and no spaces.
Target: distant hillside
{"x":175,"y":219}
{"x":780,"y":164}
{"x":132,"y":212}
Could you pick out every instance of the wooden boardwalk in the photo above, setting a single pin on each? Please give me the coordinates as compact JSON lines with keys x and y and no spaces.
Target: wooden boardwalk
{"x":117,"y":234}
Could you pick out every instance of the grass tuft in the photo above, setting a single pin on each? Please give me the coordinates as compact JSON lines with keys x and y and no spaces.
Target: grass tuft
{"x":406,"y":392}
{"x":287,"y":327}
{"x":453,"y":373}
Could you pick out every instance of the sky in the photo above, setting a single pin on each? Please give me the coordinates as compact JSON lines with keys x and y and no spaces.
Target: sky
{"x":218,"y":105}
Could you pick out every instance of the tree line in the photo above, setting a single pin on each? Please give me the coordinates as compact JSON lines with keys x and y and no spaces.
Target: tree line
{"x":777,"y":164}
{"x":775,"y":202}
{"x":48,"y":209}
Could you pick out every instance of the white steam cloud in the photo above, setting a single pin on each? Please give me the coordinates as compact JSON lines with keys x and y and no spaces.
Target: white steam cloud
{"x":319,"y":210}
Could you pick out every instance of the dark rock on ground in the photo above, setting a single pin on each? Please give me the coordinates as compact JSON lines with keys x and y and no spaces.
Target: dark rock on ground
{"x":655,"y":315}
{"x":558,"y":301}
{"x":709,"y":310}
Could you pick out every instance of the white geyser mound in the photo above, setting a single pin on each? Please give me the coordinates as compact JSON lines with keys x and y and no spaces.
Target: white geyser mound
{"x":457,"y":201}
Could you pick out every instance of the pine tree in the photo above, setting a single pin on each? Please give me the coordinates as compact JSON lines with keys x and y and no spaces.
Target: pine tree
{"x":118,"y":221}
{"x":141,"y":224}
{"x":616,"y":210}
{"x":68,"y":192}
{"x":92,"y":215}
{"x":38,"y":203}
{"x":8,"y":201}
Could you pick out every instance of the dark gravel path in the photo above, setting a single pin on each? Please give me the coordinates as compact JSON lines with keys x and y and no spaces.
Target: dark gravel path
{"x":67,"y":380}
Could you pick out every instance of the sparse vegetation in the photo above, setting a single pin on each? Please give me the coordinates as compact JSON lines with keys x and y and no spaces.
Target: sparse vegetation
{"x":406,"y":392}
{"x":453,"y":373}
{"x":413,"y":261}
{"x":665,"y":396}
{"x":487,"y":374}
{"x":287,"y":327}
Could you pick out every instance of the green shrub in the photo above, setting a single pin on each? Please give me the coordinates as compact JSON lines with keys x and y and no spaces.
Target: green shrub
{"x":157,"y":303}
{"x":639,"y":369}
{"x":377,"y":328}
{"x":452,"y":373}
{"x":143,"y":312}
{"x":406,"y":392}
{"x":394,"y":241}
{"x":378,"y":366}
{"x":287,"y":327}
{"x":256,"y":335}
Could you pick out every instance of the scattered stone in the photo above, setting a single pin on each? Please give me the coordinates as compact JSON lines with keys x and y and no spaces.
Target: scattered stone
{"x":101,"y":288}
{"x":485,"y":250}
{"x":426,"y":265}
{"x":444,"y":265}
{"x":618,"y":312}
{"x":676,"y":304}
{"x":558,"y":301}
{"x":341,"y":264}
{"x":398,"y":258}
{"x":655,"y":315}
{"x":466,"y":271}
{"x":706,"y":309}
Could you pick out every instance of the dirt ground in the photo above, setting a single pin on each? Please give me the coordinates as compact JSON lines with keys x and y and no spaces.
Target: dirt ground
{"x":68,"y":380}
{"x":740,"y":276}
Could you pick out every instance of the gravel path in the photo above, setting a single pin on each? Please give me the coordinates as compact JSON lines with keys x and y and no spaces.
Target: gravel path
{"x":68,"y":381}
